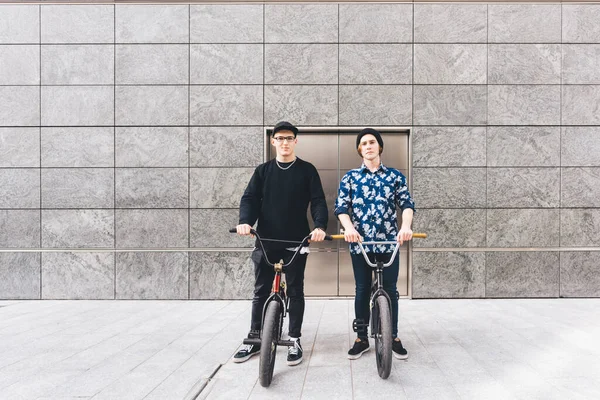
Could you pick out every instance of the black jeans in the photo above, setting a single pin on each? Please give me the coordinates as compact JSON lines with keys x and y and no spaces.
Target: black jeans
{"x":363,"y":276}
{"x":294,"y":277}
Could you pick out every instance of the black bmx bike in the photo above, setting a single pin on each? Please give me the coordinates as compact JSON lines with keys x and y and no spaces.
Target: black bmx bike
{"x":381,"y":308}
{"x":274,"y":311}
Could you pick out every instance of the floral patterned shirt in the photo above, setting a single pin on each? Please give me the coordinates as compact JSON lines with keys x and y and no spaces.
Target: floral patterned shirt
{"x":370,"y":199}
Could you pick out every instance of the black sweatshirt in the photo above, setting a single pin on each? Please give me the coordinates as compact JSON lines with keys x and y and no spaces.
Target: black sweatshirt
{"x":278,"y":199}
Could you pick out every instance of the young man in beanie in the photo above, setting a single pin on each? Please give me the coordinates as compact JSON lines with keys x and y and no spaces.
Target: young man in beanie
{"x":278,"y":196}
{"x":366,"y":207}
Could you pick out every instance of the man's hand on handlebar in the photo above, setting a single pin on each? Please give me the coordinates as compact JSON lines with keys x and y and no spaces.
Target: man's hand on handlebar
{"x":352,"y":236}
{"x":404,"y":235}
{"x":317,"y":235}
{"x":243,"y":229}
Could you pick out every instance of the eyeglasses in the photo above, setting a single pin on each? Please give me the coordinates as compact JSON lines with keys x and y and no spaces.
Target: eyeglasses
{"x":281,"y":139}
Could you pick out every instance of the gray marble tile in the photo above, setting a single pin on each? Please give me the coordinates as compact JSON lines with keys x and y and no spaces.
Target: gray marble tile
{"x":580,"y":227}
{"x":226,"y":146}
{"x":520,"y":146}
{"x":226,"y":23}
{"x":151,"y":187}
{"x":450,"y":228}
{"x":522,"y":228}
{"x":210,"y":228}
{"x":153,"y":275}
{"x":20,"y":188}
{"x":522,"y":274}
{"x":19,"y":106}
{"x":301,"y":64}
{"x":19,"y":147}
{"x":152,"y":23}
{"x":151,"y":228}
{"x":152,"y":64}
{"x":371,"y":105}
{"x":19,"y":65}
{"x":449,"y":187}
{"x":448,"y":275}
{"x":452,"y":23}
{"x":524,"y":105}
{"x":19,"y":228}
{"x":221,"y":275}
{"x":580,"y":23}
{"x":580,"y":274}
{"x":218,"y":187}
{"x":78,"y":229}
{"x":19,"y":275}
{"x":78,"y":188}
{"x":580,"y":105}
{"x":78,"y":147}
{"x":580,"y":62}
{"x":152,"y":105}
{"x":312,"y":23}
{"x":524,"y":64}
{"x":226,"y":105}
{"x":87,"y":23}
{"x":78,"y":276}
{"x":226,"y":63}
{"x":78,"y":105}
{"x":524,"y":23}
{"x":523,"y":187}
{"x":450,"y":64}
{"x":19,"y":23}
{"x":376,"y":23}
{"x":450,"y":105}
{"x":449,"y":147}
{"x":151,"y":146}
{"x":78,"y":64}
{"x":580,"y":187}
{"x":301,"y":105}
{"x":375,"y":64}
{"x":576,"y":138}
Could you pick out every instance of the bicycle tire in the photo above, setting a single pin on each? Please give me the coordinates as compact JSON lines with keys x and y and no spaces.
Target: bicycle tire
{"x":382,"y":330}
{"x":268,"y":346}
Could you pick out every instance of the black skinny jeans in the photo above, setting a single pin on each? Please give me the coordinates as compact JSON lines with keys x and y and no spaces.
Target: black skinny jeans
{"x":294,"y":277}
{"x":363,"y":276}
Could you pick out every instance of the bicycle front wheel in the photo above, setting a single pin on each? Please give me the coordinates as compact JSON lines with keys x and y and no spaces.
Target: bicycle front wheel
{"x":268,"y":344}
{"x":382,"y":330}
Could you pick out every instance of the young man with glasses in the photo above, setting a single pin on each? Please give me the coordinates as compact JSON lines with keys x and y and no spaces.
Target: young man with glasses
{"x":366,"y":207}
{"x":278,"y":196}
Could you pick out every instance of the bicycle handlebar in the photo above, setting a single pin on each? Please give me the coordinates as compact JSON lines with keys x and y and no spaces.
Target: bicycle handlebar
{"x":300,"y":244}
{"x":364,"y":253}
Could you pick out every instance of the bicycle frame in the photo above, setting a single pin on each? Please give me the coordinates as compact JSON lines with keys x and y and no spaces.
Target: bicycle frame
{"x":277,"y":290}
{"x":380,"y":266}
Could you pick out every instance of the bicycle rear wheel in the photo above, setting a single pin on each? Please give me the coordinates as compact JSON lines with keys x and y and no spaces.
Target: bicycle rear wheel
{"x":268,"y":347}
{"x":382,"y":330}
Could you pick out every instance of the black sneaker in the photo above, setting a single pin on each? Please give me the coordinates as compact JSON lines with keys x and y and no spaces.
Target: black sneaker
{"x":399,"y":351}
{"x":359,"y":347}
{"x":294,"y":352}
{"x":245,"y":352}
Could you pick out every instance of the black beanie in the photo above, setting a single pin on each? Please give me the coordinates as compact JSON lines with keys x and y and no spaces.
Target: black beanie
{"x":369,"y":131}
{"x":284,"y":126}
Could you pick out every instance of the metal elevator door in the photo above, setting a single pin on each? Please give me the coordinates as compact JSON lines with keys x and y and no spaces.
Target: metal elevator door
{"x":333,"y":153}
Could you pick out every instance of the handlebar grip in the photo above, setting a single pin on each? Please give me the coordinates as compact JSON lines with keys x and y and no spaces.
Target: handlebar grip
{"x":233,"y":230}
{"x":420,"y":235}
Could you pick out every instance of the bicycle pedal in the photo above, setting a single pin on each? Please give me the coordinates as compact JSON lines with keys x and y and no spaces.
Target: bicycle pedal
{"x":357,"y":324}
{"x":255,"y":342}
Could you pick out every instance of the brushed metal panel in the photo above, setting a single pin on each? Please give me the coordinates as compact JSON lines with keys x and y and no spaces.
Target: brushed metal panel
{"x":321,"y":275}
